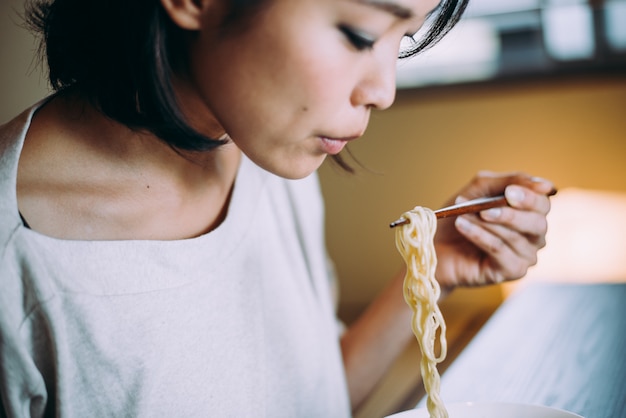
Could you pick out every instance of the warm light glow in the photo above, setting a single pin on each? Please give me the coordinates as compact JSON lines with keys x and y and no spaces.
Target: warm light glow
{"x":586,"y":239}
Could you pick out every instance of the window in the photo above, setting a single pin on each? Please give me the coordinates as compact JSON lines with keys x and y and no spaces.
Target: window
{"x":513,"y":38}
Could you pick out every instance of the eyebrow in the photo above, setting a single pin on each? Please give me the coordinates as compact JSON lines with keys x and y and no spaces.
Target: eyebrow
{"x":390,"y":7}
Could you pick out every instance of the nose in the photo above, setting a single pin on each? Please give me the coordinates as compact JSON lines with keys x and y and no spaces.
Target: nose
{"x":377,"y":86}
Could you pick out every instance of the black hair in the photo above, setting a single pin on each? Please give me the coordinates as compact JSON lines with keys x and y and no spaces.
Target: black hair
{"x":444,"y":17}
{"x":121,"y":55}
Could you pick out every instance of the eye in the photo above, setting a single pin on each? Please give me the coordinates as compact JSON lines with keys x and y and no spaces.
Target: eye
{"x":359,"y":39}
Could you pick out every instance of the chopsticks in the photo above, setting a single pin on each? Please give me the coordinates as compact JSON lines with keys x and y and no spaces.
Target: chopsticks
{"x":471,"y":206}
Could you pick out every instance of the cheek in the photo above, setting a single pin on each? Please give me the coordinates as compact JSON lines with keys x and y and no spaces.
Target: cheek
{"x":320,"y":83}
{"x":275,"y":77}
{"x":311,"y":84}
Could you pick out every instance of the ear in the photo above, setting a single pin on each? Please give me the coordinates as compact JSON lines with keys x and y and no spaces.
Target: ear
{"x":185,"y":13}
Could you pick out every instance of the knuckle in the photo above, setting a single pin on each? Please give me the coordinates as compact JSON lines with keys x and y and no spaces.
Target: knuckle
{"x":498,"y":278}
{"x":508,"y":216}
{"x":519,"y":270}
{"x":483,"y":177}
{"x":541,"y":242}
{"x":496,"y":246}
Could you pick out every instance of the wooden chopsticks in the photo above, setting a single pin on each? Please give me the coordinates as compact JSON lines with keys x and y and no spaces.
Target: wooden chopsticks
{"x":471,"y":206}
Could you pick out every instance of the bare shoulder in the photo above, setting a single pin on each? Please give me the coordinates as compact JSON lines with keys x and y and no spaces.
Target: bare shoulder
{"x":58,"y":170}
{"x":83,"y":176}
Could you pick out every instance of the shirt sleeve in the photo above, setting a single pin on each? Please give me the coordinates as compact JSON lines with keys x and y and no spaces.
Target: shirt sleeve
{"x":22,"y":388}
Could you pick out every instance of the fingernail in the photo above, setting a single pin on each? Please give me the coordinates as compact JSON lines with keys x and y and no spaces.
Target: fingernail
{"x":491,"y":214}
{"x":514,"y":195}
{"x":540,"y":180}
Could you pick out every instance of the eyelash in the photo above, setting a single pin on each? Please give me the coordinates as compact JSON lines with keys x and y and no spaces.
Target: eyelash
{"x":360,"y":40}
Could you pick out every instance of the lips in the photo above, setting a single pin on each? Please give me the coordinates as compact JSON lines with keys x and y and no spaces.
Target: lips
{"x":334,"y":146}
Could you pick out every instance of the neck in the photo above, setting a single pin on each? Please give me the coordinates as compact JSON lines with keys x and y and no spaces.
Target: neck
{"x":112,"y":182}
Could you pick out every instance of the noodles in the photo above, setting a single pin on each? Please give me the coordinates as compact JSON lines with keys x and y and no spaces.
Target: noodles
{"x":421,"y":291}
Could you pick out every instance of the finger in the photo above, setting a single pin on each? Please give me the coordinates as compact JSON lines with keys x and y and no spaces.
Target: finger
{"x":492,"y":238}
{"x":509,"y":254}
{"x":529,"y":223}
{"x":524,"y":198}
{"x":488,"y":183}
{"x":523,"y":244}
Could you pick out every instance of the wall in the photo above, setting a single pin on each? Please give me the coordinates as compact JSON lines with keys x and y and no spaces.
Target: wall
{"x":21,"y":81}
{"x":571,"y":130}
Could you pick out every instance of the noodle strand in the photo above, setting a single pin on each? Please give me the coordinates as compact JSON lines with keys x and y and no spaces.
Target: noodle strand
{"x":414,"y":241}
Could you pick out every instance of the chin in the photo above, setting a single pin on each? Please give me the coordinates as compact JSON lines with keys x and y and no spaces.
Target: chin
{"x":299,"y":170}
{"x":296,"y":174}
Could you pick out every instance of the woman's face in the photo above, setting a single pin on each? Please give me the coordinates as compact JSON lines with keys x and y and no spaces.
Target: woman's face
{"x":300,"y":80}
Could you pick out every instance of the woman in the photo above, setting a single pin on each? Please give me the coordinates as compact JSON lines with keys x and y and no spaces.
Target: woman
{"x":162,"y":232}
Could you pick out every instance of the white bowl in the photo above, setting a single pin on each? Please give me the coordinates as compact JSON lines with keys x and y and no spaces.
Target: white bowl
{"x":491,"y":410}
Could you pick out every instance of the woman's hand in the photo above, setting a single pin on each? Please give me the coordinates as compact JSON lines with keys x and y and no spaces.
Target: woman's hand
{"x":497,"y":244}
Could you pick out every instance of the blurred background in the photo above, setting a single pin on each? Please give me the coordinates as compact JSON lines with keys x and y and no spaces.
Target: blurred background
{"x":532,"y":85}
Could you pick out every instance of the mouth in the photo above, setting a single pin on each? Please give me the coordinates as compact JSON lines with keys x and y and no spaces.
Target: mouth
{"x":334,"y":146}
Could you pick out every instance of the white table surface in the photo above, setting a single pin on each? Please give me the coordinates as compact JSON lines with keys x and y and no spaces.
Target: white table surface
{"x":558,"y":345}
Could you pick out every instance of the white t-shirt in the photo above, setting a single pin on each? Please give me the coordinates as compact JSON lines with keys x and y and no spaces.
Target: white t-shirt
{"x":235,"y":323}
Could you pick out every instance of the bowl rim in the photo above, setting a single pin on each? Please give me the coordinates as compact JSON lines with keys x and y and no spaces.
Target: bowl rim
{"x":493,"y":403}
